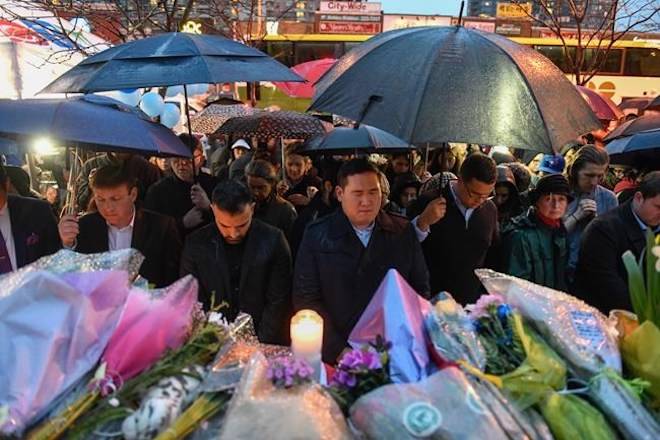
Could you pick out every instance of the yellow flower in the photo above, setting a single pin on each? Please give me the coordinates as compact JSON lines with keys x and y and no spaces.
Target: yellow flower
{"x":656,"y":252}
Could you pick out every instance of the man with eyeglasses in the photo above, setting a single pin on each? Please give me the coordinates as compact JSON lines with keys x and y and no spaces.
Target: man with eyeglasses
{"x":461,"y":223}
{"x":186,"y":194}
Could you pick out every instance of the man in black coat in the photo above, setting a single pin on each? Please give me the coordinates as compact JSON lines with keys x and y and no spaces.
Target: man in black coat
{"x":461,"y":223}
{"x":184,"y":195}
{"x":120,"y":224}
{"x":601,"y":277}
{"x":344,"y":257}
{"x":28,"y":229}
{"x":242,"y":264}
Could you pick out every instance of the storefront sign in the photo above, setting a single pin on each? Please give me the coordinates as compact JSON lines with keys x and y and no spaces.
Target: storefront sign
{"x":508,"y":29}
{"x":344,"y":27}
{"x":358,"y":8}
{"x":485,"y":26}
{"x":514,"y":10}
{"x":403,"y":21}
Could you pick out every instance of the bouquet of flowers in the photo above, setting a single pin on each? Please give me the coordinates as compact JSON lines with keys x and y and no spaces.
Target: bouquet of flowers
{"x":640,"y":347}
{"x":360,"y":371}
{"x":528,"y":369}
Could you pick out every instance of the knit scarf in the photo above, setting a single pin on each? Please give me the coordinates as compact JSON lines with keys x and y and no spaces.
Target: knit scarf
{"x":551,"y":223}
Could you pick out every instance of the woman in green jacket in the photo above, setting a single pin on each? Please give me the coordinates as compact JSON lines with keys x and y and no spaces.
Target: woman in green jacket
{"x":536,"y":243}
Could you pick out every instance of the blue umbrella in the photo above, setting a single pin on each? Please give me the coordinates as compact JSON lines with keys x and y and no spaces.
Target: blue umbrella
{"x":91,"y":122}
{"x":8,"y":146}
{"x":364,"y":139}
{"x":451,"y":84}
{"x":170,"y":59}
{"x":640,"y":150}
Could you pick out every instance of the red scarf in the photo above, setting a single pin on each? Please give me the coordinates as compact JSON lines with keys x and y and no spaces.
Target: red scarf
{"x":551,"y":223}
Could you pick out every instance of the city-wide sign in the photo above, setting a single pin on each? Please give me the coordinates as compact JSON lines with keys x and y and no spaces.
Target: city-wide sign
{"x":344,"y":27}
{"x":350,"y":8}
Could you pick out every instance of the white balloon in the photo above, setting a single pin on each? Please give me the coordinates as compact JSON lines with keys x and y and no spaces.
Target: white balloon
{"x":170,"y":115}
{"x":152,"y":104}
{"x":173,"y":91}
{"x":132,"y":99}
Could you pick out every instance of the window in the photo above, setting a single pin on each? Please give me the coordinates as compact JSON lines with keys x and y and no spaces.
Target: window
{"x":610,"y":65}
{"x":556,"y":55}
{"x":642,"y":62}
{"x":317,"y":50}
{"x":281,"y":51}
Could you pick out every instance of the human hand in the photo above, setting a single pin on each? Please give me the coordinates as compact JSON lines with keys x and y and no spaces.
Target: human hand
{"x":298,"y":200}
{"x":586,"y":208}
{"x":282,"y":187}
{"x":433,"y":213}
{"x":199,"y":197}
{"x":193,"y":218}
{"x":68,"y":229}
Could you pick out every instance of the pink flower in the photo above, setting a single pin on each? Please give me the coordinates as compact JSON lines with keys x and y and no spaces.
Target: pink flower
{"x":484,"y":303}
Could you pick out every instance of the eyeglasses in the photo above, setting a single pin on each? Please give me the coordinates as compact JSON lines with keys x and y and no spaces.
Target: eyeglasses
{"x":474,"y":195}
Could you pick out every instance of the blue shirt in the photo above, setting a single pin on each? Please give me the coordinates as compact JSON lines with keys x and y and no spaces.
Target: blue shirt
{"x":605,"y":201}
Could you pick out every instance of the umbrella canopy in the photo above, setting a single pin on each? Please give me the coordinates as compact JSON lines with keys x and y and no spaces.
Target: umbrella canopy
{"x":310,"y":71}
{"x":213,"y":116}
{"x":636,"y":145}
{"x":654,"y":105}
{"x":268,"y":125}
{"x":170,"y":59}
{"x":452,"y":84}
{"x":92,"y":122}
{"x":601,"y":105}
{"x":364,"y":139}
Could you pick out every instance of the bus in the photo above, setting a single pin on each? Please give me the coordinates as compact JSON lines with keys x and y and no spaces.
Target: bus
{"x":631,"y":70}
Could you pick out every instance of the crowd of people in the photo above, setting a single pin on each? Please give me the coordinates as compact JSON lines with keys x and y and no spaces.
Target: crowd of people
{"x":268,"y":236}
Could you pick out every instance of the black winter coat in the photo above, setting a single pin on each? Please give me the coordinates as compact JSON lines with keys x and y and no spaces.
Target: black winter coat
{"x":601,"y":278}
{"x":337,"y":276}
{"x":265,"y":280}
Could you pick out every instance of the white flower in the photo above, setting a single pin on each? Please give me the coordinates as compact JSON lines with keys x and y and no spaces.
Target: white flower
{"x":656,"y":252}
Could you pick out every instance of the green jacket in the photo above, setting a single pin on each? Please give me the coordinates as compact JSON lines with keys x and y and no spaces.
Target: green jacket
{"x":536,"y":252}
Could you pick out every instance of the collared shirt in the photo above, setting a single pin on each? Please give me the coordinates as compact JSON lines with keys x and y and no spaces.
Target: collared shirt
{"x":467,"y":212}
{"x":120,"y":238}
{"x":5,"y":228}
{"x":364,"y":234}
{"x":643,"y":225}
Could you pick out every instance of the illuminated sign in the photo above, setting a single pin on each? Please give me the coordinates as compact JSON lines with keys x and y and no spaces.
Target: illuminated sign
{"x":191,"y":27}
{"x":359,"y":8}
{"x":514,"y":10}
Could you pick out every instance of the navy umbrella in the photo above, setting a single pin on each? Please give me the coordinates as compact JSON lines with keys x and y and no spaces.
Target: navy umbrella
{"x":451,"y":84}
{"x":364,"y":139}
{"x":636,"y":145}
{"x":91,"y":122}
{"x":170,"y":59}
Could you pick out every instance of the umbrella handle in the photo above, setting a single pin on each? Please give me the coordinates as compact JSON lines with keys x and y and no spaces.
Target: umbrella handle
{"x":189,"y":124}
{"x":72,"y":185}
{"x":365,"y":109}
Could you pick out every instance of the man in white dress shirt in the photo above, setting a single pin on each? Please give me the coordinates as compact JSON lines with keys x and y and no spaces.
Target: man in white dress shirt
{"x":120,"y":224}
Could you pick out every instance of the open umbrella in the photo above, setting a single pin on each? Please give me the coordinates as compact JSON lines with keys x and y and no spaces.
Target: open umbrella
{"x":91,"y":122}
{"x":212,"y":117}
{"x":451,"y":84}
{"x":654,"y":105}
{"x":311,"y":71}
{"x":364,"y":139}
{"x":268,"y":125}
{"x":601,"y":105}
{"x":636,"y":143}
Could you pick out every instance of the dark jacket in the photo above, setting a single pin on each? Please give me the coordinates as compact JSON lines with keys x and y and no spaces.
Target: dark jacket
{"x":154,"y":235}
{"x":535,"y":252}
{"x":277,"y":212}
{"x":601,"y":278}
{"x":34,"y":229}
{"x":337,"y":276}
{"x":265,"y":279}
{"x":171,"y":196}
{"x":454,"y":248}
{"x":301,"y":188}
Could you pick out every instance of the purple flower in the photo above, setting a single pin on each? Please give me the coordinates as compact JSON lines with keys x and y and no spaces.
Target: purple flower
{"x":343,"y":379}
{"x":483,"y":306}
{"x":371,"y":359}
{"x":364,"y":358}
{"x":285,"y":372}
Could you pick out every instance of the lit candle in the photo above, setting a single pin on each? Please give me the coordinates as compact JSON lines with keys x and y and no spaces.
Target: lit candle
{"x":307,"y":337}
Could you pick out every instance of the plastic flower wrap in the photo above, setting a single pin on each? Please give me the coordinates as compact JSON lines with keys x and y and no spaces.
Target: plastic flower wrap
{"x":579,"y":332}
{"x":261,"y":410}
{"x":396,"y":312}
{"x":441,"y":406}
{"x":53,"y":330}
{"x":287,"y":372}
{"x":452,"y":333}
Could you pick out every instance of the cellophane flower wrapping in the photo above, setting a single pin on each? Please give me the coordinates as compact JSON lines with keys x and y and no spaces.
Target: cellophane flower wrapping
{"x":152,"y":323}
{"x":641,"y":356}
{"x":53,"y":330}
{"x":260,"y":410}
{"x":442,"y":406}
{"x":582,"y":335}
{"x":452,"y":333}
{"x":396,"y":312}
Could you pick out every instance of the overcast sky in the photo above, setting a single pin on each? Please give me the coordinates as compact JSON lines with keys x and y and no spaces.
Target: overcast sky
{"x":442,"y":7}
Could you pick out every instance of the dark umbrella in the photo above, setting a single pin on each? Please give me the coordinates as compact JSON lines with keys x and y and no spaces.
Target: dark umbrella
{"x":212,"y":117}
{"x":91,"y":122}
{"x":268,"y":125}
{"x":654,"y":105}
{"x":453,"y":84}
{"x":365,"y":139}
{"x":170,"y":59}
{"x":637,"y":148}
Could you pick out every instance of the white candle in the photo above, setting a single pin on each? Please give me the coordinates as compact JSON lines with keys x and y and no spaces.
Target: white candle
{"x":307,"y":336}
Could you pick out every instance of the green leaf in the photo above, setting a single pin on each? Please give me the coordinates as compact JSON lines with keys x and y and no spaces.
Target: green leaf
{"x":652,"y":281}
{"x":636,"y":286}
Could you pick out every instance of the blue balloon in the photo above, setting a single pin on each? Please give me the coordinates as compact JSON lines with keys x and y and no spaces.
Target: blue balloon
{"x":128,"y":90}
{"x":170,"y":115}
{"x":129,"y":98}
{"x":152,"y":104}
